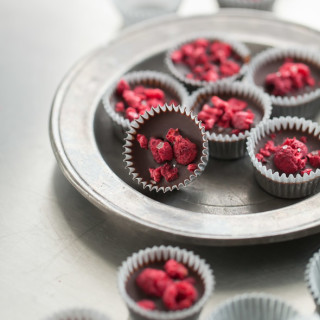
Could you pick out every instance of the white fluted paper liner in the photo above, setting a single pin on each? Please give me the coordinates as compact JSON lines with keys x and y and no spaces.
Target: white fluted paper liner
{"x":248,"y":4}
{"x":281,"y":185}
{"x":312,"y":277}
{"x":223,"y":146}
{"x":305,"y":105}
{"x":141,"y":260}
{"x":134,"y":11}
{"x":239,"y":48}
{"x":134,"y":130}
{"x":78,"y":314}
{"x":253,"y":306}
{"x":153,"y":79}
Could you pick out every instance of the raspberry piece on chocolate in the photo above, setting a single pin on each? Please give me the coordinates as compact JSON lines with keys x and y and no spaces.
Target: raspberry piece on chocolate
{"x":192,"y":166}
{"x":297,"y":145}
{"x":154,"y":93}
{"x":120,"y":107}
{"x":143,"y":141}
{"x":153,"y":281}
{"x":184,"y":150}
{"x":179,"y":295}
{"x":306,"y":171}
{"x":155,"y":174}
{"x":147,"y":304}
{"x":220,"y":51}
{"x":288,"y":159}
{"x":242,"y":120}
{"x":122,"y":86}
{"x":172,"y":135}
{"x":175,"y":270}
{"x":161,"y":150}
{"x":229,"y":68}
{"x":314,"y":158}
{"x":261,"y":158}
{"x":131,"y":114}
{"x":169,"y":173}
{"x":177,"y":56}
{"x":131,"y":98}
{"x":237,"y":105}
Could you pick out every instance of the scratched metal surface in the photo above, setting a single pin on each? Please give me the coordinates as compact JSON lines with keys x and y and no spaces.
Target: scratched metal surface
{"x":57,"y":250}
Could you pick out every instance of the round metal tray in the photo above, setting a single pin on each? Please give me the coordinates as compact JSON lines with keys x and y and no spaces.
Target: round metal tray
{"x":225,"y":206}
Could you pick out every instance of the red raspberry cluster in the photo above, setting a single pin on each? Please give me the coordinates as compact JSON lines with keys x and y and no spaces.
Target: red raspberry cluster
{"x":291,"y":156}
{"x":136,"y":101}
{"x":174,"y":147}
{"x":290,"y":77}
{"x":207,"y":60}
{"x":226,"y":114}
{"x":172,"y":285}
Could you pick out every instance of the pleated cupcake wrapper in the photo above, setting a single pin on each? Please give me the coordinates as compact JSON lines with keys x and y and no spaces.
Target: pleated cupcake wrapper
{"x":144,"y":257}
{"x":78,"y":314}
{"x":254,"y":306}
{"x":305,"y":105}
{"x":134,"y":13}
{"x":233,"y":146}
{"x":312,"y":278}
{"x":146,"y":78}
{"x":248,"y":4}
{"x":277,"y":184}
{"x":239,"y":48}
{"x":134,"y":130}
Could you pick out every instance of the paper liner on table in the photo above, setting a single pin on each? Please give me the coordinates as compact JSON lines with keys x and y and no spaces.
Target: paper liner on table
{"x":247,"y":4}
{"x":78,"y":314}
{"x":282,"y":185}
{"x":142,"y":258}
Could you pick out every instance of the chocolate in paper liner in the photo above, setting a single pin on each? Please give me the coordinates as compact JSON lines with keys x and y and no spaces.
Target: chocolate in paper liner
{"x":312,"y":278}
{"x":141,"y":260}
{"x":78,"y":314}
{"x":253,"y":306}
{"x":134,"y":130}
{"x":225,"y":146}
{"x":239,"y":48}
{"x":304,"y":105}
{"x":248,"y":4}
{"x":152,"y":79}
{"x":283,"y":186}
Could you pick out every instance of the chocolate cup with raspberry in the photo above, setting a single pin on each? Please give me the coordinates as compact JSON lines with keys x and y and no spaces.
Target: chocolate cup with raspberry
{"x":223,"y":143}
{"x":303,"y":102}
{"x":272,"y":179}
{"x":254,"y":306}
{"x":156,"y":257}
{"x":312,"y":278}
{"x":154,"y":125}
{"x":238,"y":53}
{"x":76,"y":314}
{"x":172,"y":89}
{"x":247,"y":4}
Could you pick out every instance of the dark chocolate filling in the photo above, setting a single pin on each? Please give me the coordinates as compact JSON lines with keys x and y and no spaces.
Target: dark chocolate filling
{"x":158,"y":126}
{"x":137,"y":294}
{"x":312,"y":143}
{"x":272,"y":67}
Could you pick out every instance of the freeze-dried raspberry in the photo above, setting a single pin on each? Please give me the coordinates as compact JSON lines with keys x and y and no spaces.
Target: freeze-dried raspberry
{"x":155,"y":174}
{"x":177,"y":56}
{"x":184,"y":150}
{"x":220,"y":51}
{"x":297,"y":145}
{"x":131,"y":98}
{"x":172,"y":134}
{"x":120,"y":107}
{"x":175,"y":269}
{"x":242,"y":120}
{"x":314,"y":158}
{"x":288,"y":159}
{"x":210,"y":76}
{"x":161,"y":150}
{"x":143,"y":141}
{"x":192,"y":166}
{"x":147,"y":304}
{"x":261,"y":158}
{"x":154,"y":93}
{"x":305,"y":171}
{"x":122,"y":86}
{"x":229,"y":68}
{"x":153,"y":281}
{"x":236,"y":104}
{"x":190,"y":280}
{"x":179,"y":295}
{"x":131,"y":114}
{"x":169,"y":173}
{"x":201,"y":42}
{"x":219,"y":103}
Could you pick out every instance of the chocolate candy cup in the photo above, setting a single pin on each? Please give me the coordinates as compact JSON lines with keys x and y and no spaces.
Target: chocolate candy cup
{"x":282,"y":185}
{"x":150,"y":256}
{"x":156,"y":123}
{"x":152,"y":79}
{"x":239,"y":48}
{"x":254,"y":306}
{"x":304,"y":103}
{"x":231,"y":146}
